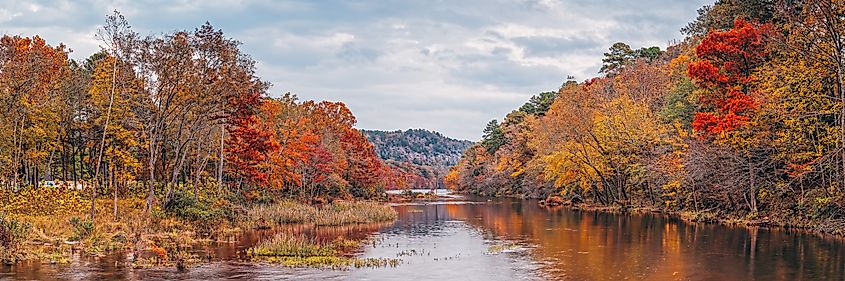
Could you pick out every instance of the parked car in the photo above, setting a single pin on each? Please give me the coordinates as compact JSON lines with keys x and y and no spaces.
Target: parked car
{"x":49,"y":184}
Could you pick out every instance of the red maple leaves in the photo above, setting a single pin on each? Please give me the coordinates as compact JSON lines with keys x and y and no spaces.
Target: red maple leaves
{"x":726,"y":70}
{"x":248,"y":144}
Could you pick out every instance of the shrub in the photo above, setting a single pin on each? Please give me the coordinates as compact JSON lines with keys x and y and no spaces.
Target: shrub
{"x":12,"y":233}
{"x":81,"y":228}
{"x":205,"y":212}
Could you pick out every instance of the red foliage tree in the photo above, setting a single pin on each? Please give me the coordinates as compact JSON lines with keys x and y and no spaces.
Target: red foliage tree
{"x":248,"y":143}
{"x":726,"y":70}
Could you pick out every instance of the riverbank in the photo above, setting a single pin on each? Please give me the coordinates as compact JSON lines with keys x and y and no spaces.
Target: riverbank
{"x":409,"y":195}
{"x":52,"y":226}
{"x":826,"y":228}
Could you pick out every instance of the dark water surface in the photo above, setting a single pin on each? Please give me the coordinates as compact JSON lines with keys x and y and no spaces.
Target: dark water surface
{"x":504,"y":239}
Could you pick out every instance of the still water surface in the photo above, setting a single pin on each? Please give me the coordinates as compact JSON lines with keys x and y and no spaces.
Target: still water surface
{"x":507,"y":239}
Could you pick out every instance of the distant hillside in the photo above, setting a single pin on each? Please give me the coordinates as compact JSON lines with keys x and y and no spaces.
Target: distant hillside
{"x":422,"y":157}
{"x":418,"y":146}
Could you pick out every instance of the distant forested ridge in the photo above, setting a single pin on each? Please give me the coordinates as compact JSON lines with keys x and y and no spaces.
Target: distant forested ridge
{"x":418,"y":146}
{"x":421,"y":156}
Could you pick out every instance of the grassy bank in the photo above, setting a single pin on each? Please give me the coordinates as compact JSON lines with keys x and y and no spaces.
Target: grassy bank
{"x":51,"y":226}
{"x":156,"y":238}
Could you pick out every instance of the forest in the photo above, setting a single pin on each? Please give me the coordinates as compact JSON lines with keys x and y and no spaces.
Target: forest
{"x":742,"y":119}
{"x":164,"y":114}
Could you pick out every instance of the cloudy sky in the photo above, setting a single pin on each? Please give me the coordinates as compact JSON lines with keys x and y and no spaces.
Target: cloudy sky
{"x":448,"y":66}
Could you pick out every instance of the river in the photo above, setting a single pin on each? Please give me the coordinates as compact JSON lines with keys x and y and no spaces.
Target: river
{"x":508,"y":239}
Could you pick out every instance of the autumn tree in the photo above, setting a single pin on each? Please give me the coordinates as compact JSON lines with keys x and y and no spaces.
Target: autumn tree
{"x":31,"y":73}
{"x":805,"y":85}
{"x":722,"y":14}
{"x":727,"y":71}
{"x":823,"y":42}
{"x":291,"y":134}
{"x":113,"y":95}
{"x":248,"y":143}
{"x":620,"y":54}
{"x":116,"y":34}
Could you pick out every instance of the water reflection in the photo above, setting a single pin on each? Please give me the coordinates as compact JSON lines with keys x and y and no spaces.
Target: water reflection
{"x":583,"y":245}
{"x":453,"y":241}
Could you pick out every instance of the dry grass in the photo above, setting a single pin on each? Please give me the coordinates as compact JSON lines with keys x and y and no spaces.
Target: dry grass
{"x":336,"y":214}
{"x":283,"y":212}
{"x":347,"y":212}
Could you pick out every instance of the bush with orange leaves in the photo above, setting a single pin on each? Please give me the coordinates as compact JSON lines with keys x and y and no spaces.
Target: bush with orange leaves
{"x":160,"y":252}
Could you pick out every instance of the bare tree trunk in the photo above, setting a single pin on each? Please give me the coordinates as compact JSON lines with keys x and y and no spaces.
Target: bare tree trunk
{"x":152,"y":180}
{"x":26,"y":179}
{"x":103,"y":139}
{"x":222,"y":157}
{"x":48,"y":173}
{"x":650,"y":193}
{"x":199,"y":168}
{"x":17,"y":159}
{"x":64,"y":162}
{"x":114,"y":189}
{"x":175,"y":176}
{"x":196,"y":173}
{"x":841,"y":89}
{"x":752,"y":186}
{"x":152,"y":161}
{"x":695,"y":196}
{"x":73,"y":163}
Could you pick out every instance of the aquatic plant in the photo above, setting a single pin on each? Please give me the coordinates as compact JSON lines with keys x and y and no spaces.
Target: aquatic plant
{"x":299,"y":251}
{"x":285,"y":245}
{"x":499,"y":248}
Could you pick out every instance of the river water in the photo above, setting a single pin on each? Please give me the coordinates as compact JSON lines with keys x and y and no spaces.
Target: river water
{"x":508,"y":239}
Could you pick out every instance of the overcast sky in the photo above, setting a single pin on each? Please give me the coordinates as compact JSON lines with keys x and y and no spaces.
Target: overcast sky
{"x":448,"y":66}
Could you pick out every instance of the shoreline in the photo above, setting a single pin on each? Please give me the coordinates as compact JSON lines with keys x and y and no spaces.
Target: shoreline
{"x":693,"y":217}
